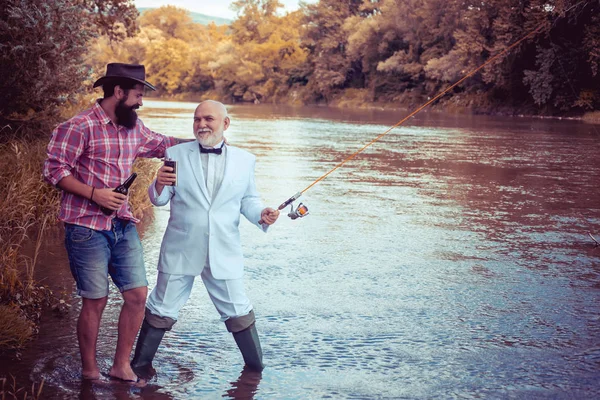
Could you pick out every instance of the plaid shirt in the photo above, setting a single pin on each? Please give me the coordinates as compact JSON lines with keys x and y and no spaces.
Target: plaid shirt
{"x":98,"y":153}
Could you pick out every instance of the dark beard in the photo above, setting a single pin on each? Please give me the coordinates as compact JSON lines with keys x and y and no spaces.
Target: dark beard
{"x":126,"y":116}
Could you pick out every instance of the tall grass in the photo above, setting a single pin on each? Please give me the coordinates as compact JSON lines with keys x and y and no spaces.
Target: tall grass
{"x":27,"y":207}
{"x":9,"y":389}
{"x":138,"y":196}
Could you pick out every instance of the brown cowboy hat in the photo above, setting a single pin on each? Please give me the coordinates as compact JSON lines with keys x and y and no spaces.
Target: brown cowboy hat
{"x":128,"y":71}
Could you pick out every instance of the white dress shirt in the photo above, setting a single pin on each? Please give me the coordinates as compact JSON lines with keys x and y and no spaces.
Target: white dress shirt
{"x":213,"y":166}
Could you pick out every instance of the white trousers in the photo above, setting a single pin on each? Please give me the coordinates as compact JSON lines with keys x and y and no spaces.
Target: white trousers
{"x":172,"y":292}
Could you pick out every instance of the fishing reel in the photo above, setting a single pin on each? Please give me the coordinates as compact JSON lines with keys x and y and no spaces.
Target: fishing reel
{"x":299,"y":212}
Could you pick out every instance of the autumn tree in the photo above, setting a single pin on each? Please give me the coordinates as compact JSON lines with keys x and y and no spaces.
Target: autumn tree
{"x":172,"y":53}
{"x":252,"y":15}
{"x":403,"y":51}
{"x":203,"y":55}
{"x":418,"y":47}
{"x":398,"y":40}
{"x":168,"y":63}
{"x":261,"y":55}
{"x":327,"y":42}
{"x":174,"y":22}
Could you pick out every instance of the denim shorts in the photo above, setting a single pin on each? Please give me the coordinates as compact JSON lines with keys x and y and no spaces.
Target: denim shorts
{"x":93,"y":255}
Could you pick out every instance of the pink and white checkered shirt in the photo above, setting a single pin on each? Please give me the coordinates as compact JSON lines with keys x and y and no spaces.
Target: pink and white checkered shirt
{"x":98,"y":153}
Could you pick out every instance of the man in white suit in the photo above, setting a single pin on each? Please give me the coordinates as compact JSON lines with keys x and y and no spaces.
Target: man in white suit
{"x":212,"y":187}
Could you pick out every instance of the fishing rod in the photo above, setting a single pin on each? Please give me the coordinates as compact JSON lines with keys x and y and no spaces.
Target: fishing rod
{"x":302,"y":210}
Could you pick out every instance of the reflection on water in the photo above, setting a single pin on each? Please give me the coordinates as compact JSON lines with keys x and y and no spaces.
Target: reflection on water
{"x":449,"y":260}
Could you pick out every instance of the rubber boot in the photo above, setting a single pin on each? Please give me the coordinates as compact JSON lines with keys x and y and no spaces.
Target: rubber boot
{"x":249,"y":345}
{"x":145,"y":349}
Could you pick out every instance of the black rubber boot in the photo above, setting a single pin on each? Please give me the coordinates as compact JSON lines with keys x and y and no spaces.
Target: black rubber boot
{"x":145,"y":349}
{"x":249,"y":344}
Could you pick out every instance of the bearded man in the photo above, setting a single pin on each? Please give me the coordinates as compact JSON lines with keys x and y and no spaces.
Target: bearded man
{"x":88,"y":157}
{"x":213,"y":185}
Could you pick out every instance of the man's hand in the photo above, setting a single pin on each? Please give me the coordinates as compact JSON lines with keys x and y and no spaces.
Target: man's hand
{"x":269,"y":216}
{"x":165,"y":177}
{"x":109,"y":199}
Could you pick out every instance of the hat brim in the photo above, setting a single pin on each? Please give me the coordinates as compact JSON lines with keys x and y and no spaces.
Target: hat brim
{"x":104,"y":79}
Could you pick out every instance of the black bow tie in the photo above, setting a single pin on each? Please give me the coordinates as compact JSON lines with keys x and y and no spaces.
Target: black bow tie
{"x":211,"y":150}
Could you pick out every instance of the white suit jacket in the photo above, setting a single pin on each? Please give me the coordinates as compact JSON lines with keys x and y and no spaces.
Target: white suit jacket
{"x":199,"y":227}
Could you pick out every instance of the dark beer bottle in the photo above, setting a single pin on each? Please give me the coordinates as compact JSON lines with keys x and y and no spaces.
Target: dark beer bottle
{"x":123,"y":189}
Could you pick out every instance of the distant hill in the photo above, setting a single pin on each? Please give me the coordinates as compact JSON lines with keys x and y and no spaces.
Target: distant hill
{"x":197,"y":17}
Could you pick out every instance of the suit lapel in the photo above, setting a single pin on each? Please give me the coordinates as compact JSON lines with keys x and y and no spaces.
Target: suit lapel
{"x":196,"y":167}
{"x":228,"y":173}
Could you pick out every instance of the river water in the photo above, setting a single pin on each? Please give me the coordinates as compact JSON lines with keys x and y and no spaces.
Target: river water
{"x":451,"y":259}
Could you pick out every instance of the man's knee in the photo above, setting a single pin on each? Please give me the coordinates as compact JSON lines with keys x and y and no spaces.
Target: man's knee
{"x":94,"y":306}
{"x":136,"y":298}
{"x":238,"y":324}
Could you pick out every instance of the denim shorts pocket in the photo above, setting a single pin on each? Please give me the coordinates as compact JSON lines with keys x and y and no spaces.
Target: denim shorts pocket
{"x":81,"y":234}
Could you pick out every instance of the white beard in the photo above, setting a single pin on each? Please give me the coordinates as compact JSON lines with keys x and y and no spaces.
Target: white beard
{"x":209,"y":139}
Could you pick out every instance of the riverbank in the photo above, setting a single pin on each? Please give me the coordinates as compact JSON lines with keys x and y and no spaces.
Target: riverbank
{"x":359,"y":99}
{"x":27,"y":208}
{"x":592,"y":117}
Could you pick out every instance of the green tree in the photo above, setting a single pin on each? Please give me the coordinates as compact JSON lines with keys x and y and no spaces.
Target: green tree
{"x":42,"y":47}
{"x":564,"y":75}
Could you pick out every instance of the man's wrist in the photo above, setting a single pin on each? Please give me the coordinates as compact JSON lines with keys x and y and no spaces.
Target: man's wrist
{"x":158,"y":188}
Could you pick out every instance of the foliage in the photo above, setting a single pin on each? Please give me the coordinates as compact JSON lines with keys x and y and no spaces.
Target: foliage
{"x":168,"y":62}
{"x":115,"y":19}
{"x":326,"y":41}
{"x":252,"y":16}
{"x":565,"y":74}
{"x":42,"y":46}
{"x":400,"y":51}
{"x":172,"y":21}
{"x":390,"y":50}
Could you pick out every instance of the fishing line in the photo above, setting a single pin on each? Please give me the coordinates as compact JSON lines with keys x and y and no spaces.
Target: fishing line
{"x":293,"y":213}
{"x":412,"y":114}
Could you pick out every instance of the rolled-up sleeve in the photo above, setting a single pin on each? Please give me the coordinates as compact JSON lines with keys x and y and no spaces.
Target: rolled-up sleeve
{"x":66,"y":146}
{"x":155,"y":144}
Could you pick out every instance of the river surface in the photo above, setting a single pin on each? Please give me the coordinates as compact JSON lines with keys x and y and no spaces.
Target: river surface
{"x":451,"y":259}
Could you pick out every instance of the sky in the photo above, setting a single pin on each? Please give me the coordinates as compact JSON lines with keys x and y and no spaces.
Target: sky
{"x":214,"y":8}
